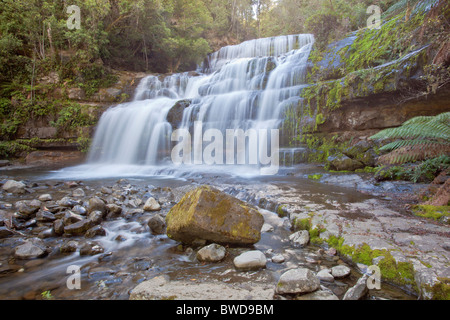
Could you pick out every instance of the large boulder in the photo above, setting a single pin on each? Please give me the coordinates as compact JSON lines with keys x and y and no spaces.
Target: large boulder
{"x":209,"y":214}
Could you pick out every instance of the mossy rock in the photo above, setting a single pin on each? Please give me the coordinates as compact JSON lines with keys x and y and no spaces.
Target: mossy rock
{"x":209,"y":214}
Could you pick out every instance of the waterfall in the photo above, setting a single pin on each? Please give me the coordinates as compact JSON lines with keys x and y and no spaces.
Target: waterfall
{"x":241,"y":87}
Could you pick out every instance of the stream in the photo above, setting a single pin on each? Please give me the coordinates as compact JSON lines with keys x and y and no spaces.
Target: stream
{"x":132,"y":254}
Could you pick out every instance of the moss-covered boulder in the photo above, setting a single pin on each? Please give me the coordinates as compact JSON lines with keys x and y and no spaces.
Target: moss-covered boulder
{"x":209,"y":214}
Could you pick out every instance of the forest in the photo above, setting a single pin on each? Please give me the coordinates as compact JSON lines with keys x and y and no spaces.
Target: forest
{"x":153,"y":35}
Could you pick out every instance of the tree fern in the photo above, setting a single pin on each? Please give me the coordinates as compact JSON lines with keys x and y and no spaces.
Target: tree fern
{"x":419,"y":138}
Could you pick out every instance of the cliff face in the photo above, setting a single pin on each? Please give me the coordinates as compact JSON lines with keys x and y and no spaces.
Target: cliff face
{"x":379,"y":78}
{"x":62,"y":130}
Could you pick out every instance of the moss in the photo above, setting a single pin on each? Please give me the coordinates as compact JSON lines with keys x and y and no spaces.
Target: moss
{"x":281,"y":211}
{"x":441,"y":290}
{"x":399,"y":273}
{"x":315,"y":176}
{"x":431,"y":212}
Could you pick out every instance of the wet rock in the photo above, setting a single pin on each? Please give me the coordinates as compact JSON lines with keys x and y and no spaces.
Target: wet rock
{"x":79,"y":210}
{"x":58,"y":227}
{"x":318,"y":295}
{"x":211,"y":253}
{"x":160,"y":288}
{"x":299,"y":238}
{"x":69,"y":247}
{"x":95,"y":231}
{"x":279,"y":258}
{"x":325,"y":275}
{"x":45,"y":216}
{"x":96,"y":204}
{"x":91,"y":249}
{"x":12,"y":186}
{"x":67,"y":202}
{"x":250,"y":260}
{"x":157,"y":224}
{"x":106,"y":190}
{"x":344,"y":163}
{"x":152,"y":205}
{"x":358,"y":291}
{"x":4,"y":163}
{"x":78,"y":193}
{"x":96,"y":217}
{"x":78,"y":228}
{"x":47,"y":233}
{"x":31,"y":249}
{"x":70,"y":218}
{"x":340,"y":271}
{"x":5,"y":232}
{"x":209,"y":214}
{"x":358,"y":149}
{"x":267,"y":228}
{"x":45,"y":197}
{"x":27,"y":207}
{"x":331,"y":252}
{"x":297,"y":281}
{"x":113,"y":210}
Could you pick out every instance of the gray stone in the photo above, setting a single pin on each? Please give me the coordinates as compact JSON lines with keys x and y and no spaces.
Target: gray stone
{"x":5,"y":232}
{"x":157,"y":224}
{"x":67,"y":202}
{"x":45,"y":197}
{"x":45,"y":216}
{"x":318,"y":295}
{"x":267,"y":228}
{"x":96,"y":204}
{"x":78,"y":228}
{"x":70,"y":217}
{"x":12,"y":186}
{"x":95,"y":231}
{"x":29,"y":250}
{"x":325,"y":275}
{"x":69,"y":247}
{"x":358,"y":291}
{"x":27,"y":207}
{"x":279,"y":258}
{"x":250,"y":260}
{"x":91,"y":249}
{"x":340,"y":271}
{"x":299,"y":238}
{"x":113,"y":210}
{"x":299,"y":280}
{"x":211,"y":253}
{"x":58,"y":227}
{"x":96,"y":217}
{"x":78,"y":193}
{"x":152,"y":205}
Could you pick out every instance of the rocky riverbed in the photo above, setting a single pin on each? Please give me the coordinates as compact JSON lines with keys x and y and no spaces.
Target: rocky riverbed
{"x":114,"y":231}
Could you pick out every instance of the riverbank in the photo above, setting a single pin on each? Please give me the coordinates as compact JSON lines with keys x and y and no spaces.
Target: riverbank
{"x":340,"y":211}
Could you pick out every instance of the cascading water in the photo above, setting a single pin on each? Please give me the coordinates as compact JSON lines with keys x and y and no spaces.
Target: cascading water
{"x":246,"y":86}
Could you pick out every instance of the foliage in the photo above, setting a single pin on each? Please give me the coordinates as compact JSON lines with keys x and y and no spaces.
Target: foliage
{"x":426,"y":171}
{"x":417,"y":139}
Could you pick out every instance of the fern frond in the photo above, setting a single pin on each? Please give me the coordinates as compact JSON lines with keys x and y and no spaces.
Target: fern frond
{"x":404,"y":143}
{"x":414,"y":153}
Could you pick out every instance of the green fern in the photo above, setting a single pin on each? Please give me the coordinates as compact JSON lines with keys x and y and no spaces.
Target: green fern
{"x":419,"y":138}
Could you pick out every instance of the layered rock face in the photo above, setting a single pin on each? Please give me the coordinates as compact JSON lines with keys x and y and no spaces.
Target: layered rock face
{"x":377,"y":78}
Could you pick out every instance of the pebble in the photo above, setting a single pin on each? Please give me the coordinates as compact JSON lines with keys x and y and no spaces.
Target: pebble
{"x":250,"y":260}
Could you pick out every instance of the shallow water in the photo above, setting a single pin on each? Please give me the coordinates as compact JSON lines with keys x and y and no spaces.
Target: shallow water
{"x":139,"y":255}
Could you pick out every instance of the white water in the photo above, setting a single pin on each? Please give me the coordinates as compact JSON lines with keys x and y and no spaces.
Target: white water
{"x":247,"y":86}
